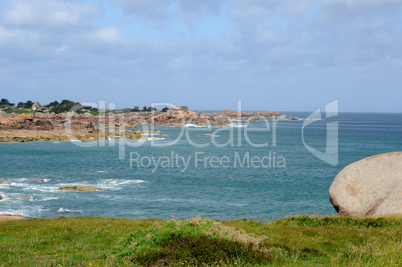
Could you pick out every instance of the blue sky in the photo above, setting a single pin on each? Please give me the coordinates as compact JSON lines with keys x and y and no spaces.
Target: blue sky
{"x":272,"y":55}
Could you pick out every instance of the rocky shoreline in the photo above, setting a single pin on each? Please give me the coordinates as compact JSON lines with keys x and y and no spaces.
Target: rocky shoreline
{"x":121,"y":126}
{"x":10,"y":217}
{"x":26,"y":128}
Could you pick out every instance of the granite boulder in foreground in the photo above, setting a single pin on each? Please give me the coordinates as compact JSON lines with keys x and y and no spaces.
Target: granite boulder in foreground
{"x":372,"y":186}
{"x":80,"y":188}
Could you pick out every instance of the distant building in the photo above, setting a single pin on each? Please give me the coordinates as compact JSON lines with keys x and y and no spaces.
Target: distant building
{"x":36,"y":105}
{"x":38,"y":108}
{"x":179,"y":108}
{"x":136,"y":108}
{"x":126,"y":110}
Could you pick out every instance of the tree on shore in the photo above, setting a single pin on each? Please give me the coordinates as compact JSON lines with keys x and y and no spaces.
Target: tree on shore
{"x":29,"y":104}
{"x":51,"y":104}
{"x":65,"y":106}
{"x":5,"y":103}
{"x":26,"y":105}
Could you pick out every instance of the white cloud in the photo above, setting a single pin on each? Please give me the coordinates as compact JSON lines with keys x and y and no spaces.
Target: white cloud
{"x":110,"y":36}
{"x":161,"y":12}
{"x":149,"y":8}
{"x":360,"y":5}
{"x":193,"y":11}
{"x":264,"y":45}
{"x":60,"y":49}
{"x":17,"y":45}
{"x":48,"y":14}
{"x":8,"y":36}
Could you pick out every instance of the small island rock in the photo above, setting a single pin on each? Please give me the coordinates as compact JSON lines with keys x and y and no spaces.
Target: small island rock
{"x":372,"y":186}
{"x":4,"y":182}
{"x":23,"y":198}
{"x":39,"y":181}
{"x":114,"y":182}
{"x":80,"y":188}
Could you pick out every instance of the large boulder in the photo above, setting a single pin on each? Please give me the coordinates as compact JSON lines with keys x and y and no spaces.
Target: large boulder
{"x":372,"y":186}
{"x":80,"y":188}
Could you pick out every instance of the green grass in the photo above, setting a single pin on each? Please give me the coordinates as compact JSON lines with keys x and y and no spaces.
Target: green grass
{"x":17,"y":111}
{"x":304,"y":240}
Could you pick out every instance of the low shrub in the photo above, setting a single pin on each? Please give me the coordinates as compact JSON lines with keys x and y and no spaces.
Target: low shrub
{"x":195,"y":242}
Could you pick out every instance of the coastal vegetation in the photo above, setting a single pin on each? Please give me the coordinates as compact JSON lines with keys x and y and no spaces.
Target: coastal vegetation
{"x":18,"y":111}
{"x":64,"y":106}
{"x":4,"y":103}
{"x":304,"y":240}
{"x":26,"y":105}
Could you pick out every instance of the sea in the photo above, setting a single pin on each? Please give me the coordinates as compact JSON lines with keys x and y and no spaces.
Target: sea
{"x":262,"y":170}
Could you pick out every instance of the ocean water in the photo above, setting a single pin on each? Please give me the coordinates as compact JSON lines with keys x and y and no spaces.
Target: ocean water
{"x":224,"y":179}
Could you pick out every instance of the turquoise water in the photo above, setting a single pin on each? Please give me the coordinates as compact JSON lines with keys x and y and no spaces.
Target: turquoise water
{"x":298,"y":184}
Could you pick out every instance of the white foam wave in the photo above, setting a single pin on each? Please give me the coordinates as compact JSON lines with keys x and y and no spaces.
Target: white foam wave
{"x":133,"y":182}
{"x":36,"y":187}
{"x":236,"y":125}
{"x":47,"y":198}
{"x":117,"y":182}
{"x":149,"y":134}
{"x":195,"y":126}
{"x":155,"y":138}
{"x":61,"y":210}
{"x":31,"y":211}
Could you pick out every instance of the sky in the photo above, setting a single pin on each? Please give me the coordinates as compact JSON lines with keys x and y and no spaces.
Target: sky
{"x":295,"y":55}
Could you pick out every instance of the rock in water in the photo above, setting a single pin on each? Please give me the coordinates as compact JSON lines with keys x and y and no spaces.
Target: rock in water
{"x":39,"y":181}
{"x":23,"y":198}
{"x":113,"y":182}
{"x":79,"y":188}
{"x":4,"y":182}
{"x":372,"y":186}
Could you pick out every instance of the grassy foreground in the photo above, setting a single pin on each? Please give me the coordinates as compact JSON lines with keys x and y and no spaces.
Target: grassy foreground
{"x":304,"y":240}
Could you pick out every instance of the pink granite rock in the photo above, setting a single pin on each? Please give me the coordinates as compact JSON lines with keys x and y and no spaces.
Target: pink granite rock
{"x":372,"y":186}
